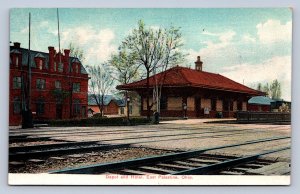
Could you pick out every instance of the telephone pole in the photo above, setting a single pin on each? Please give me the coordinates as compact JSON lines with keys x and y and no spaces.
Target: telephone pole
{"x":26,"y":99}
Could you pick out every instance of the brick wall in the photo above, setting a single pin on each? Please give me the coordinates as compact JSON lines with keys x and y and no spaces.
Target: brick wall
{"x":205,"y":103}
{"x":47,"y":95}
{"x":219,"y":105}
{"x":190,"y":103}
{"x":174,"y":103}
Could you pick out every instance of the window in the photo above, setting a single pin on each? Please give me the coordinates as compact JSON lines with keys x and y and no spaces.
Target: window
{"x":76,"y":87}
{"x":17,"y":83}
{"x":17,"y":105}
{"x":225,"y":105}
{"x":40,"y":106}
{"x":231,"y":105}
{"x":54,"y":67}
{"x":76,"y":68}
{"x":76,"y":107}
{"x":130,"y":109}
{"x":122,"y":110}
{"x":240,"y":105}
{"x":17,"y":61}
{"x":163,"y":103}
{"x":57,"y":85}
{"x":40,"y":84}
{"x":41,"y":64}
{"x":60,"y":67}
{"x":213,"y":104}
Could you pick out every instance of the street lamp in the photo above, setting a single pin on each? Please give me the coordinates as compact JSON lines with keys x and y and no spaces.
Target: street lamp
{"x":128,"y":101}
{"x":184,"y":106}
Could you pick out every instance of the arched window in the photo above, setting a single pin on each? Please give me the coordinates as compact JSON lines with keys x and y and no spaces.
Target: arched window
{"x":17,"y":83}
{"x":54,"y":68}
{"x":76,"y":107}
{"x":17,"y":105}
{"x":17,"y":61}
{"x":40,"y":106}
{"x":60,"y":67}
{"x":76,"y":68}
{"x":41,"y":64}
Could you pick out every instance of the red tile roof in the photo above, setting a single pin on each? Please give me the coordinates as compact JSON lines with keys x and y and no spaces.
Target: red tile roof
{"x":186,"y":77}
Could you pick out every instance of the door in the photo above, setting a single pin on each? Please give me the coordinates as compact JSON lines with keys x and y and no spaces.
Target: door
{"x":198,"y":106}
{"x":58,"y":111}
{"x":83,"y":112}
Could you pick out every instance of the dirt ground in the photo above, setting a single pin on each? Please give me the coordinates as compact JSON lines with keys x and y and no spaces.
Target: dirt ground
{"x":169,"y":136}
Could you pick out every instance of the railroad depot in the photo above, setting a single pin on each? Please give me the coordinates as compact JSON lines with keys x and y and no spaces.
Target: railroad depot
{"x":194,"y":93}
{"x":59,"y":85}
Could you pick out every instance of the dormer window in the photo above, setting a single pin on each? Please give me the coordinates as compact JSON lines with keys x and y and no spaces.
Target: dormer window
{"x":60,"y":67}
{"x":17,"y":61}
{"x":41,"y":64}
{"x":76,"y":68}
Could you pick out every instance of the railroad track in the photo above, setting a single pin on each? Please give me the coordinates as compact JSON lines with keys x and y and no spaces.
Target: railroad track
{"x":185,"y":163}
{"x":223,"y":134}
{"x":43,"y":151}
{"x":66,"y":133}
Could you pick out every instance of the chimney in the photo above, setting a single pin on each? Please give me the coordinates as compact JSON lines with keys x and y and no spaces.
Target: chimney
{"x":51,"y":58}
{"x":198,"y":64}
{"x":17,"y":44}
{"x":67,"y":53}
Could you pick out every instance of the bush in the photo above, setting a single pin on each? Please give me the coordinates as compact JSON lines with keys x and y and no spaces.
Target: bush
{"x":219,"y":115}
{"x":102,"y":121}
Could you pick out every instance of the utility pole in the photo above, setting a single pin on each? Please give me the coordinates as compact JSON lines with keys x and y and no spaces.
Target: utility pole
{"x":26,"y":99}
{"x":29,"y":67}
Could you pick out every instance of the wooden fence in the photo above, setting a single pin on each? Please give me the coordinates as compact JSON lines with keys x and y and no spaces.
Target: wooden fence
{"x":262,"y":117}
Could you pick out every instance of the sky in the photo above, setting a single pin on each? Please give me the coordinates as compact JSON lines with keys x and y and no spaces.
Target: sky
{"x":247,"y":45}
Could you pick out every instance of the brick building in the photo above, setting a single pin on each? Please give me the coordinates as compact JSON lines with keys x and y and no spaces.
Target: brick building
{"x":260,"y":104}
{"x":112,"y":106}
{"x":59,"y":85}
{"x":201,"y":93}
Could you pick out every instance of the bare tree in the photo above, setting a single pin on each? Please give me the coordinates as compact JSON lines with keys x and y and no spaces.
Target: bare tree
{"x":259,"y":87}
{"x":172,"y":57}
{"x":100,"y":83}
{"x":127,"y":70}
{"x":275,"y":89}
{"x":272,"y":90}
{"x":75,"y":51}
{"x":150,"y":49}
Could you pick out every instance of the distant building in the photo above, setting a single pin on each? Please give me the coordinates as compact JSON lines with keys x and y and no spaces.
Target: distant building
{"x":201,"y":93}
{"x":112,"y":106}
{"x":260,"y":104}
{"x":277,"y":104}
{"x":59,"y":85}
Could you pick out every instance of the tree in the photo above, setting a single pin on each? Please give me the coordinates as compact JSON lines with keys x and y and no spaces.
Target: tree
{"x":266,"y":89}
{"x":272,"y":90}
{"x":75,"y":51}
{"x":275,"y":90}
{"x":149,"y":47}
{"x":259,"y":87}
{"x":100,"y":83}
{"x":173,"y":56}
{"x":127,"y":70}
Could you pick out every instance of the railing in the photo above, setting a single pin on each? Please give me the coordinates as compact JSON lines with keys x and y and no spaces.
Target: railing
{"x":268,"y":117}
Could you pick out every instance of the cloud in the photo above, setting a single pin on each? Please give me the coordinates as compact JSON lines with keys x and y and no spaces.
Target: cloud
{"x":210,"y":33}
{"x":216,"y":53}
{"x":245,"y":59}
{"x":25,"y":30}
{"x":247,"y":38}
{"x":275,"y":68}
{"x":96,"y":44}
{"x":273,"y":31}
